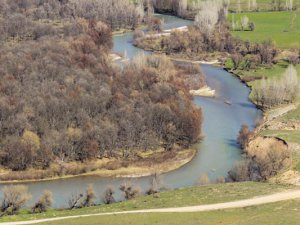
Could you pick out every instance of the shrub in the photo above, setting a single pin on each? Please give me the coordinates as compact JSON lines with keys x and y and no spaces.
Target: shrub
{"x":244,"y":136}
{"x":109,"y":195}
{"x":204,"y":179}
{"x":83,"y":200}
{"x":130,"y":191}
{"x":44,"y":202}
{"x":14,"y":198}
{"x":90,"y":196}
{"x":155,"y":184}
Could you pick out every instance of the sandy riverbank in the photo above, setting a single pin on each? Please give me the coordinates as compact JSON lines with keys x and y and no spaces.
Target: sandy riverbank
{"x":145,"y":165}
{"x":203,"y":92}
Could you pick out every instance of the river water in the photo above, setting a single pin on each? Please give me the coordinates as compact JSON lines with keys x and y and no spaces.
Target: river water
{"x":217,"y":152}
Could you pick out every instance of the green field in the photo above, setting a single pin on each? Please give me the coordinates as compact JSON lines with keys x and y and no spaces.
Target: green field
{"x":283,"y":28}
{"x":284,"y":213}
{"x":274,"y":72}
{"x":287,"y":135}
{"x":262,"y":5}
{"x":215,"y":193}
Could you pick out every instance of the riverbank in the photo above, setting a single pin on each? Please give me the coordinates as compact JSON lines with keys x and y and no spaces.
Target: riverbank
{"x":191,"y":196}
{"x":272,"y":118}
{"x":145,"y":164}
{"x":280,"y":122}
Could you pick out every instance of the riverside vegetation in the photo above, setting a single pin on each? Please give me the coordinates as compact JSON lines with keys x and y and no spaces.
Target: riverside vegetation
{"x":63,"y":103}
{"x":70,"y":131}
{"x":272,"y":73}
{"x":204,"y":194}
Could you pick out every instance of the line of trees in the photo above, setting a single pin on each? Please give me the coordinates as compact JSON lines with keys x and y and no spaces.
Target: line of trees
{"x":272,"y":92}
{"x":187,"y":8}
{"x":16,"y":197}
{"x":177,"y":7}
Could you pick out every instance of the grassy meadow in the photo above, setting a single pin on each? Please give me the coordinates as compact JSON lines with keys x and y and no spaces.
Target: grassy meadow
{"x":262,"y":5}
{"x":208,"y":194}
{"x":286,"y":212}
{"x":283,"y":28}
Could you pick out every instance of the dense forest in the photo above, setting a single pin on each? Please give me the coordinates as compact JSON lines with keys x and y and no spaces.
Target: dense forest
{"x":62,"y":99}
{"x":34,"y":19}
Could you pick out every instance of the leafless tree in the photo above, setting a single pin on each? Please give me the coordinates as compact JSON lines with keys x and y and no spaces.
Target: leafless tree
{"x":289,"y":4}
{"x":244,"y":22}
{"x":129,"y":190}
{"x":244,"y":136}
{"x":14,"y":198}
{"x":207,"y":17}
{"x":75,"y":200}
{"x":155,"y":184}
{"x":44,"y":202}
{"x":239,"y":9}
{"x":109,"y":195}
{"x":275,"y":92}
{"x":204,"y":179}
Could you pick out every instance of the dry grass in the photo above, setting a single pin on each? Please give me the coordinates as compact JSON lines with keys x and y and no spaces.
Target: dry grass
{"x":143,"y":165}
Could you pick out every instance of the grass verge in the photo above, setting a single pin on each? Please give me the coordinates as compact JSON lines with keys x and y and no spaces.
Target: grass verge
{"x":208,"y":194}
{"x":286,"y":212}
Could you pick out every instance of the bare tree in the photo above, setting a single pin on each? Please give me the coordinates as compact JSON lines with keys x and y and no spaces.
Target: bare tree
{"x":75,"y":201}
{"x":90,"y":196}
{"x":220,"y":180}
{"x":275,"y":92}
{"x":182,"y":7}
{"x":129,"y":190}
{"x":109,"y":195}
{"x":14,"y":198}
{"x":244,"y":22}
{"x":44,"y":202}
{"x":244,"y":136}
{"x":208,"y":16}
{"x":254,"y":5}
{"x":239,"y":9}
{"x":204,"y":179}
{"x":155,"y":184}
{"x":289,"y":5}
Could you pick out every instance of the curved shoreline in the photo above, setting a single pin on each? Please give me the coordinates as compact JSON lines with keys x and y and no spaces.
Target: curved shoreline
{"x":182,"y":158}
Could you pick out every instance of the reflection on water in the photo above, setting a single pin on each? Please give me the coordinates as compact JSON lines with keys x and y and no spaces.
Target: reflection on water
{"x":217,"y":152}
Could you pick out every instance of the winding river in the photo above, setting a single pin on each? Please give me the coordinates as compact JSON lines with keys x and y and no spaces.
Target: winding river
{"x":217,"y":152}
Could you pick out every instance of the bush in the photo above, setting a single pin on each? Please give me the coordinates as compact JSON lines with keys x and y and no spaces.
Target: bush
{"x":204,"y":179}
{"x":130,"y":191}
{"x":109,"y":195}
{"x":90,"y":197}
{"x":155,"y":184}
{"x":263,"y":163}
{"x":44,"y":202}
{"x":14,"y":198}
{"x":83,"y":200}
{"x":244,"y":136}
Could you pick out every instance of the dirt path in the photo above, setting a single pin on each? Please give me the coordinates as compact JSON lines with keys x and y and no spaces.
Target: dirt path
{"x":280,"y":111}
{"x":282,"y":196}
